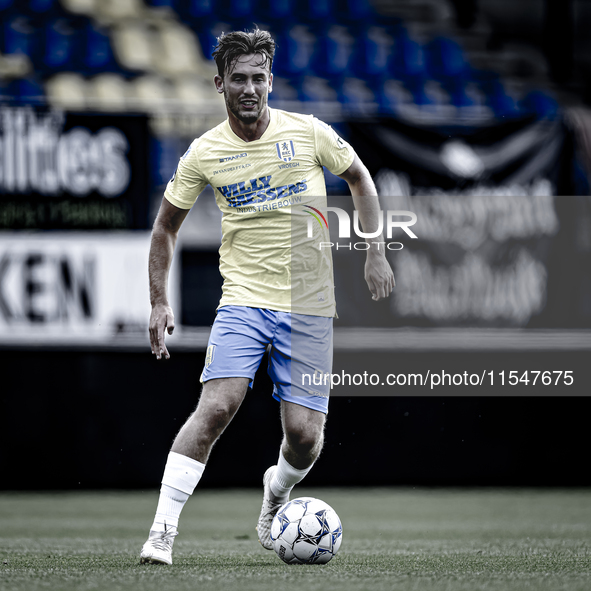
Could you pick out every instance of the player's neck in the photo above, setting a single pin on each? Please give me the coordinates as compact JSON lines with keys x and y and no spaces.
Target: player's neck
{"x":249,"y":132}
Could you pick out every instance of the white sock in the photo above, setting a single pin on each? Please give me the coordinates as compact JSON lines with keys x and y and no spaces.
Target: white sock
{"x":181,"y":476}
{"x":285,"y":478}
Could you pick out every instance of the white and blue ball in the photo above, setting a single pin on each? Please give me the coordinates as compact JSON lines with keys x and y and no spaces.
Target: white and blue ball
{"x":306,"y":531}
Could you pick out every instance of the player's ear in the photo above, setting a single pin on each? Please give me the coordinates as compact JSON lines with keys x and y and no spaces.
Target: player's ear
{"x":270,"y":82}
{"x":219,"y":83}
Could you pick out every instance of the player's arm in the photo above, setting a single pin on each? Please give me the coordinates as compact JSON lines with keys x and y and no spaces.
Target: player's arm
{"x":378,"y":273}
{"x":164,"y":236}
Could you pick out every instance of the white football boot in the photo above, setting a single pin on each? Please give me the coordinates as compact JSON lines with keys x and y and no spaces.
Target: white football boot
{"x":268,"y":511}
{"x":158,"y":548}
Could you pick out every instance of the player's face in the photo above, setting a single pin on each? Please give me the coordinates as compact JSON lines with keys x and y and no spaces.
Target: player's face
{"x":246,"y":88}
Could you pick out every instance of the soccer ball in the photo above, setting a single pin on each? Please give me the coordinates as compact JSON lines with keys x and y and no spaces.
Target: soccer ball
{"x":306,"y":531}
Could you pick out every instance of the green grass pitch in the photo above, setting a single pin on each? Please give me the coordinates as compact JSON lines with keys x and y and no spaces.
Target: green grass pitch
{"x":394,"y":539}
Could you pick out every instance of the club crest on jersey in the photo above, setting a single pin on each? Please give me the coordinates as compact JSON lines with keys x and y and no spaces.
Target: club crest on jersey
{"x":285,"y":150}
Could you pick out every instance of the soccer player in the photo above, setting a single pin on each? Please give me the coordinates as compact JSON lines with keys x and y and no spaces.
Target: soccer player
{"x":265,"y":167}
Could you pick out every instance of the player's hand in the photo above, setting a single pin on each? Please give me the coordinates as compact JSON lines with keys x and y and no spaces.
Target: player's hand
{"x":161,"y":320}
{"x":378,"y":275}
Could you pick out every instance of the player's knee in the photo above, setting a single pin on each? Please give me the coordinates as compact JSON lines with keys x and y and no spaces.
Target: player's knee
{"x":220,"y":416}
{"x":305,"y":440}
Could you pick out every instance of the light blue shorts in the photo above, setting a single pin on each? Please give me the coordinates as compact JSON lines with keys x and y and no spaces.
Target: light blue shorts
{"x":300,"y":352}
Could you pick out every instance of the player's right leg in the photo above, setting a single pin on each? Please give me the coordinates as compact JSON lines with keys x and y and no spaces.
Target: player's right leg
{"x":237,"y":343}
{"x":217,"y":406}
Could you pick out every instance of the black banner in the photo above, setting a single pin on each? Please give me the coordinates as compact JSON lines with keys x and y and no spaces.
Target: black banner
{"x":72,"y":171}
{"x":503,"y":218}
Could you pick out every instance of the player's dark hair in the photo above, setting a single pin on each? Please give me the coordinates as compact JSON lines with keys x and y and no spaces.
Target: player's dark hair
{"x":233,"y":45}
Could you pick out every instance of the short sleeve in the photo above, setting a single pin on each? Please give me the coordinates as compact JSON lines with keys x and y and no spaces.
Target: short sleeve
{"x":332,"y":150}
{"x":187,"y":181}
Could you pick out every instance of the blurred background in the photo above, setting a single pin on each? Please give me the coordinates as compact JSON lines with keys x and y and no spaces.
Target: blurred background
{"x":474,"y":114}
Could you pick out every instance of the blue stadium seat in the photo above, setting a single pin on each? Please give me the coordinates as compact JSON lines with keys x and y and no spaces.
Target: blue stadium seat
{"x":315,"y":89}
{"x":31,"y":8}
{"x":418,"y":86}
{"x":98,"y":54}
{"x":209,"y":33}
{"x":408,"y":58}
{"x":540,"y":103}
{"x":59,"y":44}
{"x":26,"y":91}
{"x":283,"y":90}
{"x":356,"y":97}
{"x":42,"y":6}
{"x":374,"y":51}
{"x":315,"y":11}
{"x":195,"y":9}
{"x":499,"y":101}
{"x":458,"y":92}
{"x":355,"y":12}
{"x":5,"y":95}
{"x":445,"y":59}
{"x":336,"y":50}
{"x":296,"y":52}
{"x":276,"y":11}
{"x":20,"y":36}
{"x":390,"y":95}
{"x":162,"y":3}
{"x":240,"y":9}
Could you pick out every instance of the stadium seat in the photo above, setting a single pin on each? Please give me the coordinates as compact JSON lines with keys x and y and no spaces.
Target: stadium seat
{"x":43,"y":7}
{"x":408,"y":59}
{"x":201,"y":8}
{"x":15,"y":65}
{"x":195,"y":95}
{"x":98,"y":55}
{"x":179,"y":52}
{"x":67,"y":90}
{"x":26,"y":91}
{"x":86,"y":7}
{"x":283,"y":90}
{"x":60,"y":40}
{"x":373,"y":53}
{"x":296,"y":50}
{"x":445,"y":59}
{"x":5,"y":96}
{"x":237,"y":9}
{"x":354,"y":12}
{"x":115,"y":11}
{"x":315,"y":89}
{"x":502,"y":104}
{"x":540,"y":103}
{"x":357,"y":98}
{"x":134,"y":45}
{"x":208,"y":34}
{"x":150,"y":93}
{"x":171,"y":4}
{"x":315,"y":11}
{"x":391,"y":95}
{"x":109,"y":92}
{"x":21,"y":36}
{"x":277,"y":11}
{"x":336,"y":49}
{"x":31,"y":8}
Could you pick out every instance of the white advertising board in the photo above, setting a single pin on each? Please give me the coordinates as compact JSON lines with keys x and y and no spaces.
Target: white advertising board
{"x":90,"y":288}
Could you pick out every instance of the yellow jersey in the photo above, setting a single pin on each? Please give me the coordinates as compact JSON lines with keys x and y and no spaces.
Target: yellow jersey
{"x":271,"y":193}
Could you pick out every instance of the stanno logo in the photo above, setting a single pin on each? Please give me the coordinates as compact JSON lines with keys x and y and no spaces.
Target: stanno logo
{"x":230,"y":158}
{"x":285,"y":150}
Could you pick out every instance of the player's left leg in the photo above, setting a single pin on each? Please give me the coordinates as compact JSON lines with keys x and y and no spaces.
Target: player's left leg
{"x":305,"y":352}
{"x":303,"y":437}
